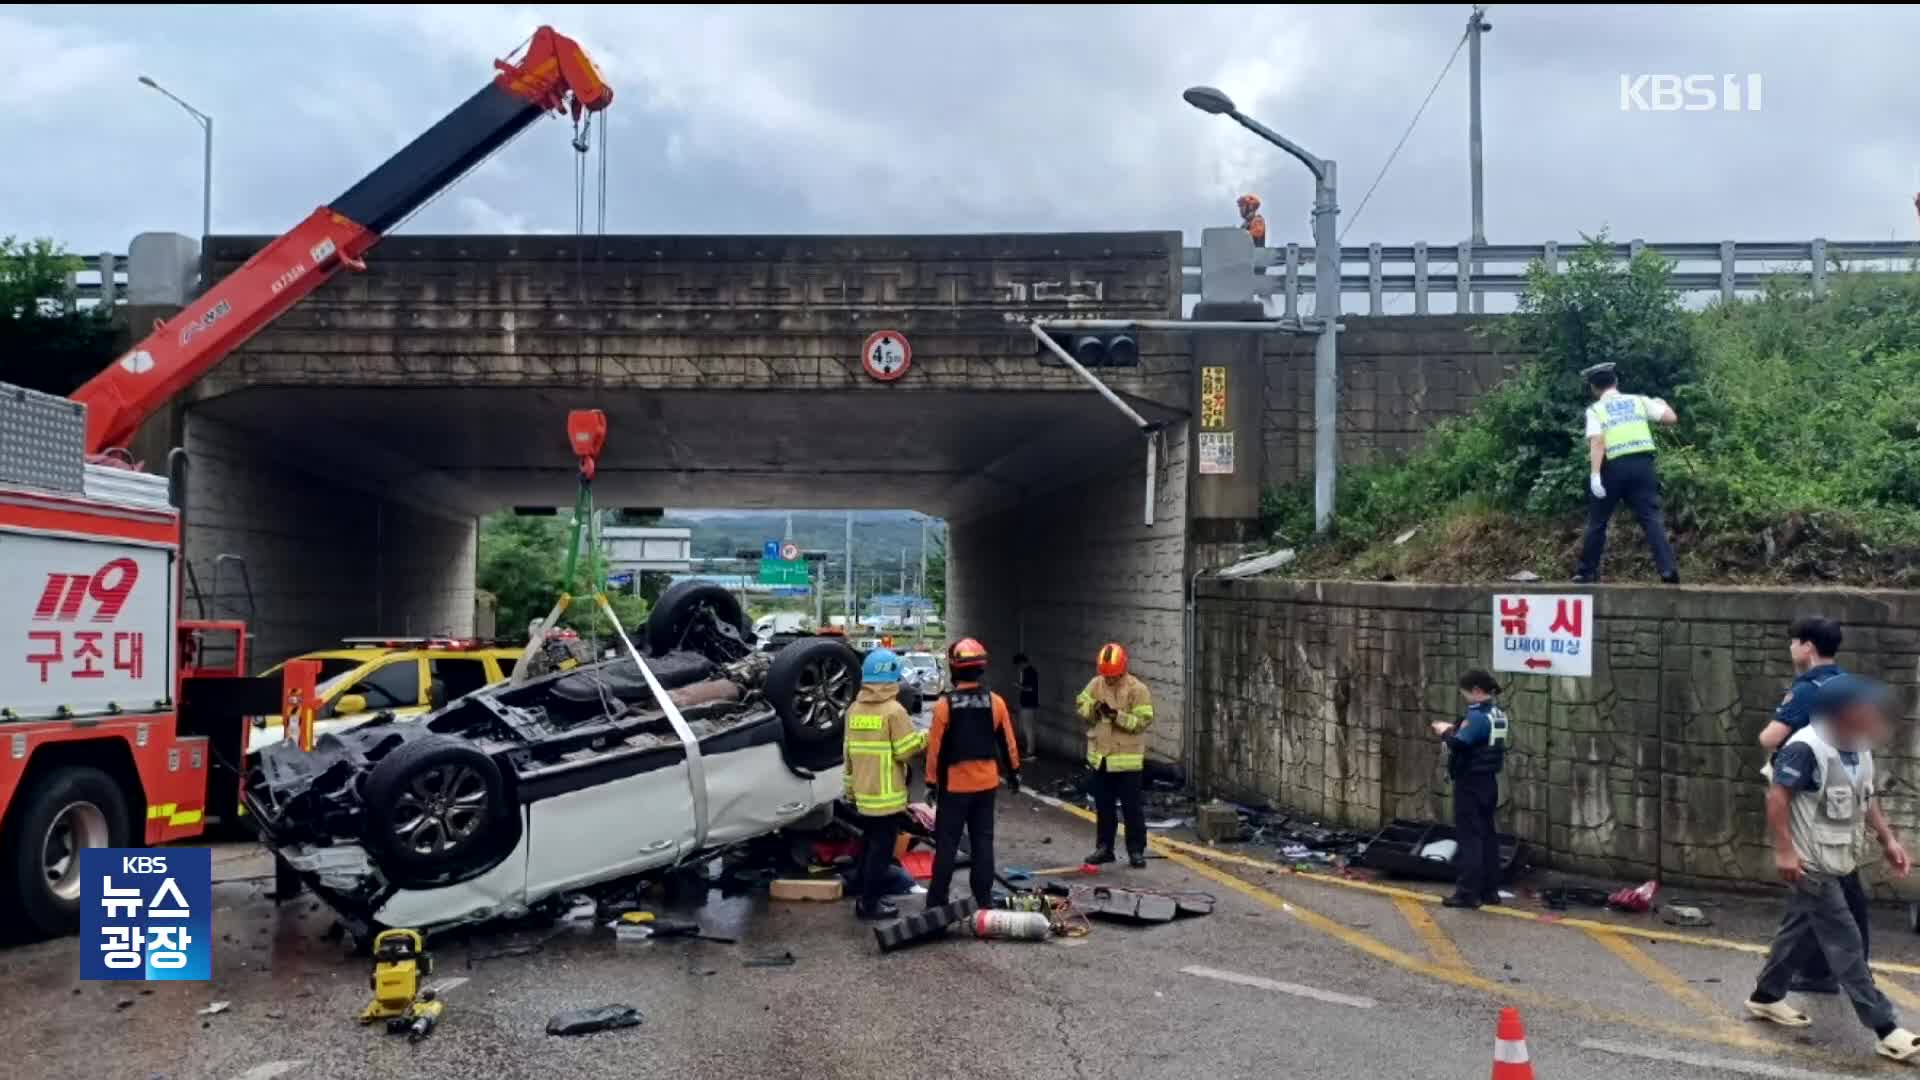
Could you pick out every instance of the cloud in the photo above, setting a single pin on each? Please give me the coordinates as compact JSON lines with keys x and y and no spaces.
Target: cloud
{"x":956,"y":119}
{"x":44,"y":69}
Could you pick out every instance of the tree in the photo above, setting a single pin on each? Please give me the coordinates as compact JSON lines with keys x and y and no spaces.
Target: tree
{"x":47,"y":341}
{"x":522,"y":561}
{"x":937,"y":573}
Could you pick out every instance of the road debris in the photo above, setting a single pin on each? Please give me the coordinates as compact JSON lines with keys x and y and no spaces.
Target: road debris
{"x":783,"y":959}
{"x":1684,"y":915}
{"x":820,"y":890}
{"x":1635,"y":901}
{"x":588,"y":1021}
{"x":214,"y":1009}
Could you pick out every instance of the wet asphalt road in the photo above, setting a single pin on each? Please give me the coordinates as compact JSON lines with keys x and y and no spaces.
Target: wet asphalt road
{"x":1368,"y":991}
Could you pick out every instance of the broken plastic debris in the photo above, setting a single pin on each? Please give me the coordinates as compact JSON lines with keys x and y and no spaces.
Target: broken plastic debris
{"x":1684,"y":915}
{"x":785,"y":959}
{"x":1524,"y":575}
{"x":1167,"y":823}
{"x":586,"y":1021}
{"x":1405,"y":536}
{"x":214,"y":1009}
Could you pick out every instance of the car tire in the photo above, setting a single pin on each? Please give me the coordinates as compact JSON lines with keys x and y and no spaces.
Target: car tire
{"x":437,"y":812}
{"x":702,"y":617}
{"x":811,"y":684}
{"x":61,"y":811}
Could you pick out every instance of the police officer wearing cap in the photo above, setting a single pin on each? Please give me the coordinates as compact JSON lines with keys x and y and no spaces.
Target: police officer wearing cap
{"x":1620,"y":452}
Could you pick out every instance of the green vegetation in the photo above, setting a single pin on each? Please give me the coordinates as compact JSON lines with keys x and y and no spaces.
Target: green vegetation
{"x":1797,"y":456}
{"x":522,"y":561}
{"x":47,"y":342}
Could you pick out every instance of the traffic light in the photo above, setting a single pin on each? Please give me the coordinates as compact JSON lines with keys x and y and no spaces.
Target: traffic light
{"x":1094,"y":349}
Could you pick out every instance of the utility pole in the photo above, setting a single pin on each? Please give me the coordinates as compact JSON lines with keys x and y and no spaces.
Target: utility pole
{"x":903,"y":571}
{"x":1476,"y":26}
{"x":849,"y":571}
{"x":922,"y":593}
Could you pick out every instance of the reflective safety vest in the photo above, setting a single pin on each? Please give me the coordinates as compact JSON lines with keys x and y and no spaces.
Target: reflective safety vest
{"x":1117,"y":734}
{"x":1488,"y":758}
{"x":1625,"y":423}
{"x":881,"y":739}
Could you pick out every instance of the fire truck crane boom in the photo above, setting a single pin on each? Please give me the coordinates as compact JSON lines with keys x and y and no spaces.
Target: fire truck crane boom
{"x":553,"y":75}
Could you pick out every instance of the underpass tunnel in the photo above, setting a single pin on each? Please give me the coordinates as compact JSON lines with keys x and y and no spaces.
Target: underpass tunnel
{"x":355,"y":509}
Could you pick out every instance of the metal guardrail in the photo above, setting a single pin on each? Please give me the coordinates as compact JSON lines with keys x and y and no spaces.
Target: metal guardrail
{"x":93,"y":284}
{"x":1737,"y":267}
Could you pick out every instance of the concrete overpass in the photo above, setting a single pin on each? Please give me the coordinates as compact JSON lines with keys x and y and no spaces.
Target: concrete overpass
{"x":346,"y":452}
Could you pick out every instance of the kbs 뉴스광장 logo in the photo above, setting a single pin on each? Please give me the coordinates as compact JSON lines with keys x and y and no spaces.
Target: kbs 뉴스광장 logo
{"x":146,"y":914}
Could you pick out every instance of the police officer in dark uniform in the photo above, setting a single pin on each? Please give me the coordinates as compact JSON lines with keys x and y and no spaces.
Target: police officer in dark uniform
{"x":970,"y":749}
{"x":1477,"y":749}
{"x":1620,"y":453}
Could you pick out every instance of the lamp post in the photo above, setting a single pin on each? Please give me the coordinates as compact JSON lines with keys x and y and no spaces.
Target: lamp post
{"x":1326,"y":294}
{"x":206,"y":160}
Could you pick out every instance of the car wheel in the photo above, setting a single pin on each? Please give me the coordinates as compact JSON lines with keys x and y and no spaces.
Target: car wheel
{"x":702,"y":617}
{"x":436,"y":809}
{"x":61,"y":813}
{"x":811,"y":684}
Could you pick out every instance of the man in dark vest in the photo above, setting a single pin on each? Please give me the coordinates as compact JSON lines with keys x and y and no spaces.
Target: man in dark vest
{"x":1476,"y":751}
{"x":972,"y":740}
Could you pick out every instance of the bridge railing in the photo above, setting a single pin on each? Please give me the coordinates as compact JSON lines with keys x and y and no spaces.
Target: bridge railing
{"x":101,"y":279}
{"x":1463,"y":271}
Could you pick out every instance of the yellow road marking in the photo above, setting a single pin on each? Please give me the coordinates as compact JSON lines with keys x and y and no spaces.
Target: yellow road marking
{"x":1728,"y":1035}
{"x":1439,"y":945}
{"x":1908,"y":1001}
{"x":1504,"y":911}
{"x":1662,"y":976}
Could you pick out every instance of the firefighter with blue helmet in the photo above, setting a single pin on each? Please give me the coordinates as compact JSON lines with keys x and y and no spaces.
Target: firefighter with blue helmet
{"x":881,"y":739}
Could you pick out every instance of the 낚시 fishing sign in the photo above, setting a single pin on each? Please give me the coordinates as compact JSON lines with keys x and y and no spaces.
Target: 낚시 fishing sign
{"x":1543,"y":634}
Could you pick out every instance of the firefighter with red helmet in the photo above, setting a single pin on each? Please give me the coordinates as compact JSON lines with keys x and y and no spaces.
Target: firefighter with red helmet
{"x":970,"y":744}
{"x":1251,"y":220}
{"x":1118,"y":710}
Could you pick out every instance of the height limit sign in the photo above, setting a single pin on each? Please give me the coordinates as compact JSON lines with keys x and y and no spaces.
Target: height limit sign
{"x":1543,"y":634}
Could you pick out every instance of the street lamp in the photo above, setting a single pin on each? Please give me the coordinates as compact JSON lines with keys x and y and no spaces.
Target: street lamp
{"x":206,"y":164}
{"x":1326,"y":293}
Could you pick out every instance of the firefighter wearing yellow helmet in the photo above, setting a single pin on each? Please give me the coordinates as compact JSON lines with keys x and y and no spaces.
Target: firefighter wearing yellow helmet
{"x":1118,"y":710}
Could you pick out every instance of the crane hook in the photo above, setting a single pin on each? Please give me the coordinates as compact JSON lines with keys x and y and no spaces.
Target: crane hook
{"x":581,"y":129}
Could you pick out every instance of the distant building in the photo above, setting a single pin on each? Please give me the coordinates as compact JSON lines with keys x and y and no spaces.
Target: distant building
{"x":637,"y":548}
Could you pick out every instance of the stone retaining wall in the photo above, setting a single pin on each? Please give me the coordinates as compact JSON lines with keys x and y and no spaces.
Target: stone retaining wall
{"x":1317,"y":696}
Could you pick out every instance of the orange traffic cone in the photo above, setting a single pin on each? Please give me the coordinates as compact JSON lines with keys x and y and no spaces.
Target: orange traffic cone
{"x":1510,"y":1060}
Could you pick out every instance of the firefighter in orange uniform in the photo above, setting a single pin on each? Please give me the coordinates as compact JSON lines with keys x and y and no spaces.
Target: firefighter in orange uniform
{"x":1251,"y":220}
{"x":971,"y":743}
{"x":1118,"y":710}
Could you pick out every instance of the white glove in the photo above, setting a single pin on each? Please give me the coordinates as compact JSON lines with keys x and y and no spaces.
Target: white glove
{"x":1594,"y":485}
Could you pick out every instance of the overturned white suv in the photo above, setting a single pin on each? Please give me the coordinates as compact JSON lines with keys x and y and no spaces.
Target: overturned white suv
{"x":513,"y":795}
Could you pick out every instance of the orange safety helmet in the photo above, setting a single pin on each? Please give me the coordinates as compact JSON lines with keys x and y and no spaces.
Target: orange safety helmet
{"x":1113,"y":660}
{"x":966,"y":654}
{"x":1249,"y":203}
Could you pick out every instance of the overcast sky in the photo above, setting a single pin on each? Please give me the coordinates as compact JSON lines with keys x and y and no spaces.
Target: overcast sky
{"x":931,"y":119}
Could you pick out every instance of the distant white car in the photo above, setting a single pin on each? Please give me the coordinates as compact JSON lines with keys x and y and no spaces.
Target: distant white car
{"x":922,"y":669}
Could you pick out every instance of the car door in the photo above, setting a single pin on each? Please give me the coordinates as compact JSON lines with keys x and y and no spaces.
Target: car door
{"x":615,"y":816}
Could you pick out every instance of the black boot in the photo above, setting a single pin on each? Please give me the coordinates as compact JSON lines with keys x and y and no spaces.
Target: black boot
{"x":1100,"y":856}
{"x":1461,"y":900}
{"x":1137,"y":859}
{"x":882,"y":910}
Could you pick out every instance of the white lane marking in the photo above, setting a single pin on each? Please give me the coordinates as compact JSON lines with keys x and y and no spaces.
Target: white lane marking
{"x":1709,"y":1061}
{"x":270,"y":1069}
{"x":1295,"y":989}
{"x":445,"y":985}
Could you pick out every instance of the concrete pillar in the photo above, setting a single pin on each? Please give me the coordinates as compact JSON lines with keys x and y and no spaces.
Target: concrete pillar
{"x":328,"y":552}
{"x":1229,"y":407}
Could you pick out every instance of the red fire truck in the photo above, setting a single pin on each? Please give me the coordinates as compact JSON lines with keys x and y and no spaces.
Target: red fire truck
{"x":120,"y":721}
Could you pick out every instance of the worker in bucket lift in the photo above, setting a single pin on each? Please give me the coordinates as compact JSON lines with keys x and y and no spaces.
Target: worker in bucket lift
{"x":1251,"y":220}
{"x":881,"y":739}
{"x":970,"y":747}
{"x":1476,"y":751}
{"x":1820,"y":801}
{"x":1118,"y":710}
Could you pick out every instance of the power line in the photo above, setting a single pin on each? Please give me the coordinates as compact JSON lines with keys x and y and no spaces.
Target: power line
{"x":1411,"y":124}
